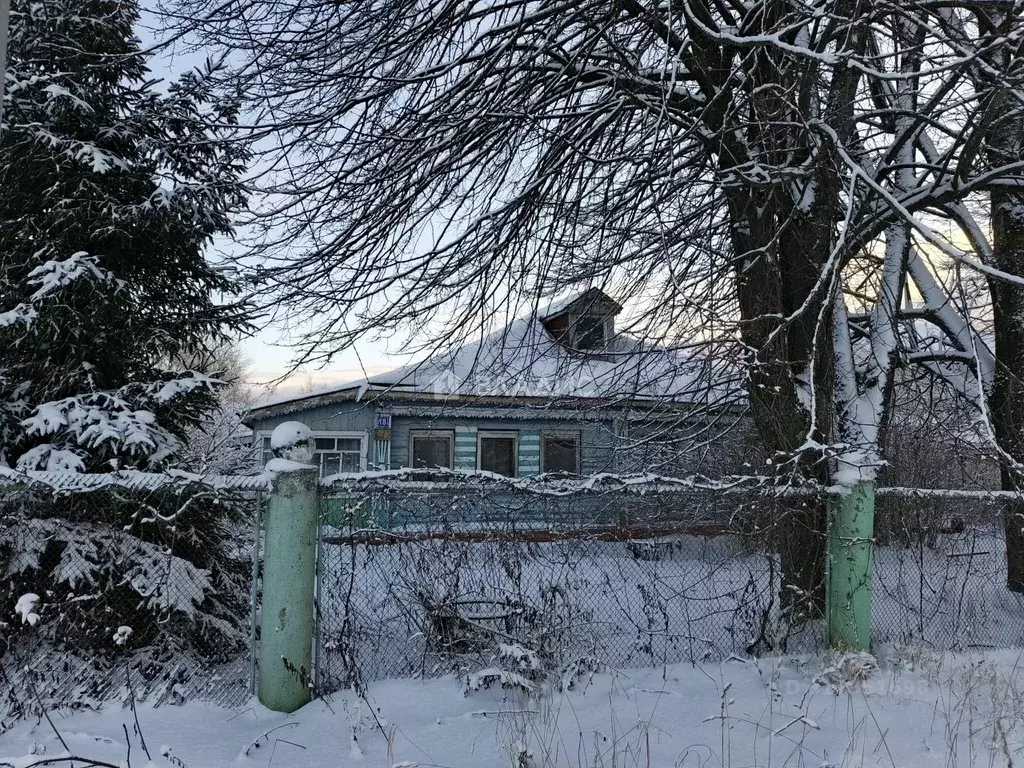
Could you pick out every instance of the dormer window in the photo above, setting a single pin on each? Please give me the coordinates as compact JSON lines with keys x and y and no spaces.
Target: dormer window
{"x":585,"y":323}
{"x":588,"y":332}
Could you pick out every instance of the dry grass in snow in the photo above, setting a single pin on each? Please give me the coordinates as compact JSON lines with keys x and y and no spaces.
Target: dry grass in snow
{"x":909,"y":710}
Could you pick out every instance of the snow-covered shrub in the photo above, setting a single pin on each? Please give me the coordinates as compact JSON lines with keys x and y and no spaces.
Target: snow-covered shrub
{"x":491,"y":676}
{"x":459,"y":615}
{"x":578,"y":669}
{"x":159,"y":563}
{"x":847,"y":670}
{"x":474,"y":594}
{"x":523,"y":659}
{"x":515,"y":667}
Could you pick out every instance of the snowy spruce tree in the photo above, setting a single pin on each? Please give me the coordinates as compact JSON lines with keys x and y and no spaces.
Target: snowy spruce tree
{"x":109,"y":193}
{"x":111,"y":190}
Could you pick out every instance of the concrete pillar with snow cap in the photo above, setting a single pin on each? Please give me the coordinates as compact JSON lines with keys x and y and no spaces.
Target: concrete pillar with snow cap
{"x":289,"y":571}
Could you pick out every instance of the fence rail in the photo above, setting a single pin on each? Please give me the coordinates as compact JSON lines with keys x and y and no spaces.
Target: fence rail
{"x":71,"y":482}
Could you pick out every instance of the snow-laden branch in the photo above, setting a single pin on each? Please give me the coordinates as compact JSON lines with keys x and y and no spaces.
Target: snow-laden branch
{"x":130,"y":479}
{"x":53,"y":276}
{"x":957,"y":327}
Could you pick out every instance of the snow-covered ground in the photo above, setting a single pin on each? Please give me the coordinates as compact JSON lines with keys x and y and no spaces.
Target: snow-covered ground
{"x":917,"y":709}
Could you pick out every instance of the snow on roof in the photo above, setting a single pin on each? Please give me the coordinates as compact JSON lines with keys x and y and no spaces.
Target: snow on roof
{"x":522,"y":360}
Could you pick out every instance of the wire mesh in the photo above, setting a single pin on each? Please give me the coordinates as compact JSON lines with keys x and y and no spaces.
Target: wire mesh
{"x":141,"y":590}
{"x":432,"y":578}
{"x":431,"y":582}
{"x":940,"y":576}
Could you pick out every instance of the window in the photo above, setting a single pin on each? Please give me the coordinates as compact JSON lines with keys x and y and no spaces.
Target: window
{"x":432,"y":449}
{"x":265,"y":453}
{"x":560,"y":453}
{"x":497,"y":452}
{"x":332,"y":453}
{"x":338,"y":454}
{"x":589,"y":331}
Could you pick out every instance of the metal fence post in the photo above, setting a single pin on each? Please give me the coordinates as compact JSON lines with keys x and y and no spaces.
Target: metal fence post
{"x":254,"y":606}
{"x":849,"y":582}
{"x":289,"y":572}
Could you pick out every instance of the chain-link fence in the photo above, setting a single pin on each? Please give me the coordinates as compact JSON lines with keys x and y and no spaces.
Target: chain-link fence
{"x":431,"y":580}
{"x":425,"y":578}
{"x":139,"y":586}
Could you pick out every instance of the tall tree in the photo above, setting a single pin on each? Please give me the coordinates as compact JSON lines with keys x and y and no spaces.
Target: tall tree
{"x":110,"y":192}
{"x":994,"y":57}
{"x":734,"y":163}
{"x":1001,"y":76}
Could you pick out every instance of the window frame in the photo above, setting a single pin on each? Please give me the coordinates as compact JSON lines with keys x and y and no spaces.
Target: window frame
{"x":427,"y":433}
{"x":326,"y":434}
{"x":513,"y":434}
{"x":562,"y":435}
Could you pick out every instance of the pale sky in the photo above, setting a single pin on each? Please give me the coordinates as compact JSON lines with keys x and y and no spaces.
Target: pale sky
{"x":269,"y":352}
{"x":269,"y":355}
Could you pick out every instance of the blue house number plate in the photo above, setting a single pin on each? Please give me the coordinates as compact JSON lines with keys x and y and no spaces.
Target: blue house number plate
{"x":383,"y":421}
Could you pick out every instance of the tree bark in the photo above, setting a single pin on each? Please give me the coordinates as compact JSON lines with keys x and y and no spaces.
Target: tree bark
{"x":1006,"y":400}
{"x":1005,"y":139}
{"x":771,"y":284}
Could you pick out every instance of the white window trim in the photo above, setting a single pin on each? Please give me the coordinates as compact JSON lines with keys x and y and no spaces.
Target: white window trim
{"x":448,"y":433}
{"x":349,"y":435}
{"x":563,"y":435}
{"x":502,"y":433}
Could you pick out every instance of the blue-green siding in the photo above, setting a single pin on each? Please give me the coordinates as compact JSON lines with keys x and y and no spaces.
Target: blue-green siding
{"x":465,"y":446}
{"x":639,"y":449}
{"x":529,"y":452}
{"x":597,"y":438}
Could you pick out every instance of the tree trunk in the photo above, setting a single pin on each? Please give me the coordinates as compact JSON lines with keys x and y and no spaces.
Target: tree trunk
{"x":1006,"y":401}
{"x":781,"y":242}
{"x":770,"y":285}
{"x":802,"y":555}
{"x":1005,"y":139}
{"x":1013,"y":523}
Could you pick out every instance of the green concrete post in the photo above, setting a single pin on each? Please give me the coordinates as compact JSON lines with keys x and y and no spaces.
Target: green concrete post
{"x":850,"y":568}
{"x":289,"y":573}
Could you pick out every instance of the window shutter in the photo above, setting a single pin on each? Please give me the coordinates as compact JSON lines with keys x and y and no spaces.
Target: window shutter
{"x":529,"y":452}
{"x":465,"y":447}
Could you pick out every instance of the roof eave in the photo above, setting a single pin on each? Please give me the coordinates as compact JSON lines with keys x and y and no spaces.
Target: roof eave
{"x":581,"y":299}
{"x":301,"y":403}
{"x":384,"y":395}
